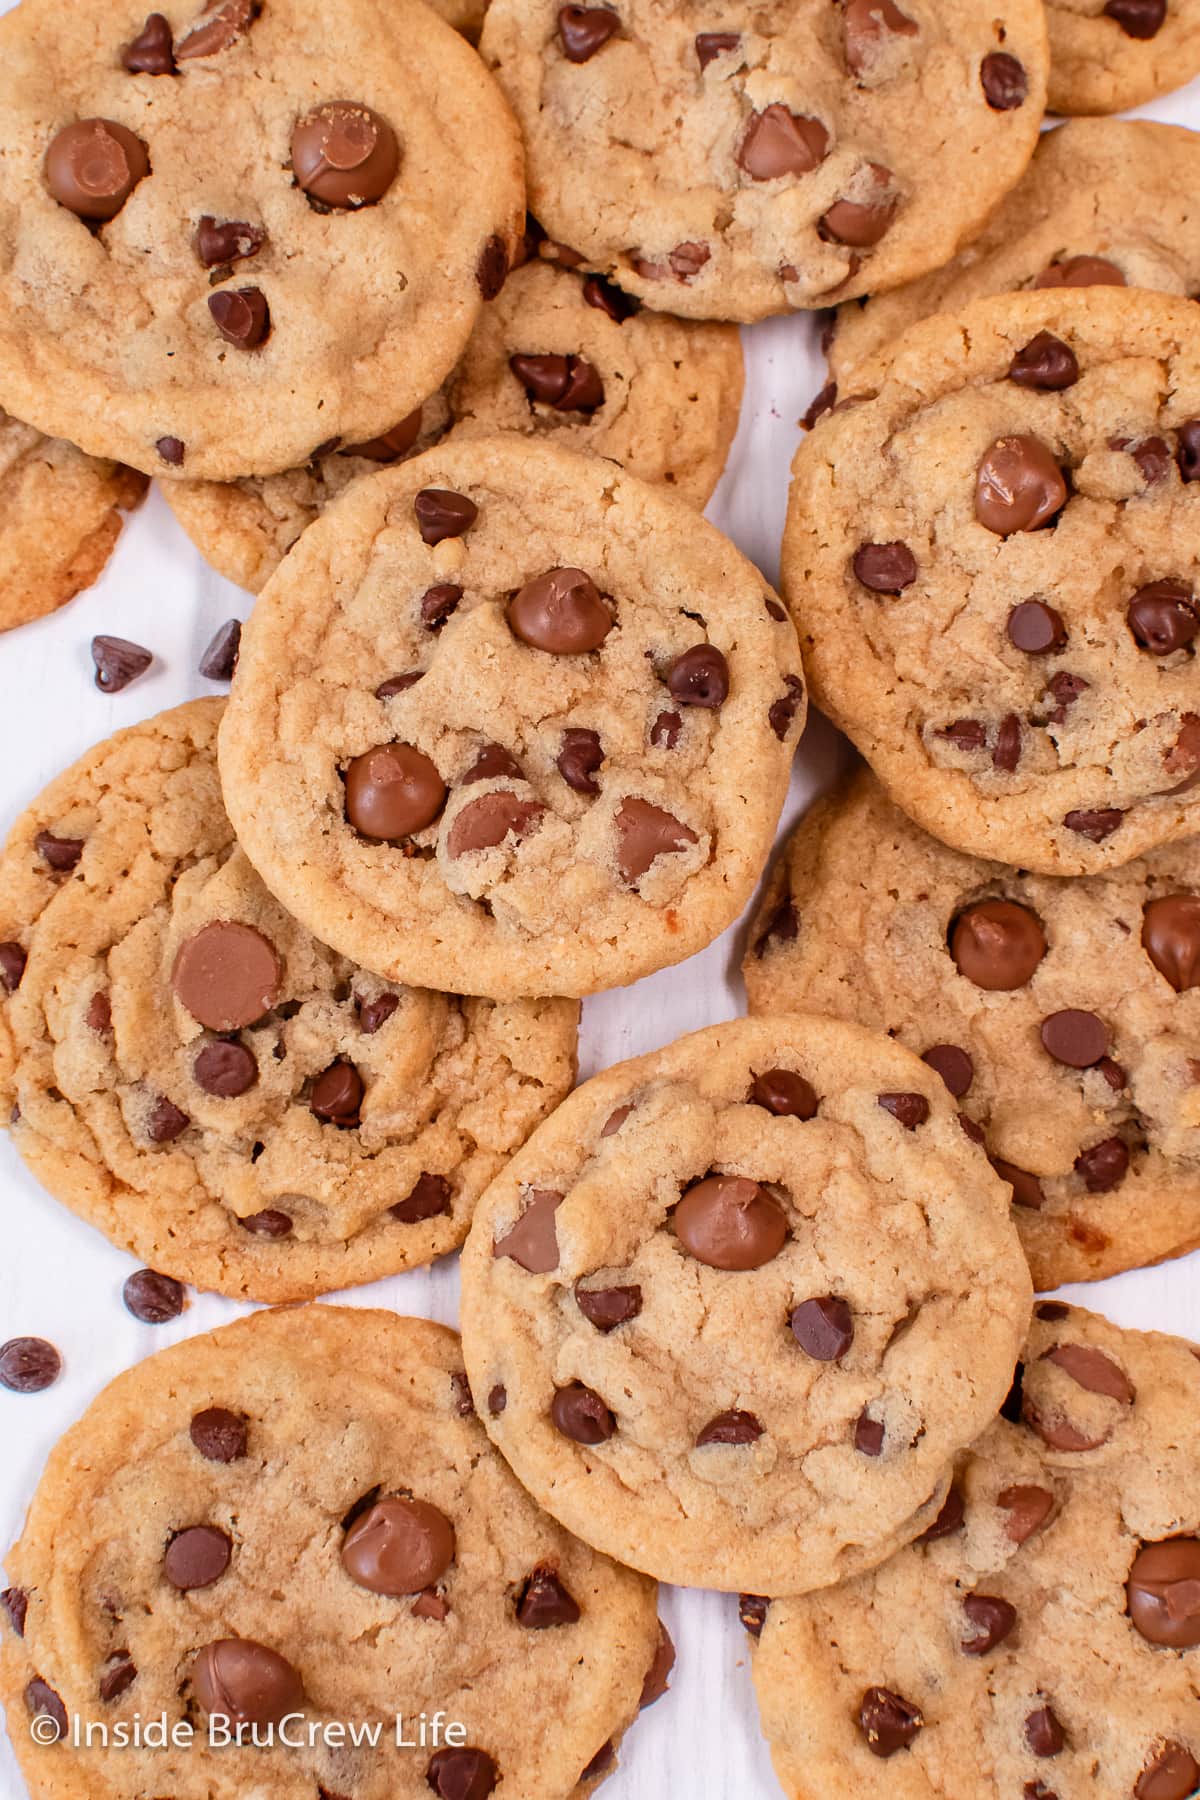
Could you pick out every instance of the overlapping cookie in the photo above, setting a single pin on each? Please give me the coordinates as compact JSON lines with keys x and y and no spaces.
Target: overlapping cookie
{"x":193,"y":1073}
{"x":1106,"y":55}
{"x":511,"y":720}
{"x":733,"y":1309}
{"x":296,"y":1524}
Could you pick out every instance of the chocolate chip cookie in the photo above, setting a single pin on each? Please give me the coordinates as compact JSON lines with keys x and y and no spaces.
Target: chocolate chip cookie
{"x":230,"y":232}
{"x":729,"y":165}
{"x":1039,"y":1639}
{"x":558,"y":356}
{"x":1106,"y":55}
{"x":511,"y":720}
{"x":732,"y":1310}
{"x":299,"y":1517}
{"x":990,"y":553}
{"x":191,"y":1072}
{"x":1104,"y":203}
{"x":60,"y":517}
{"x":1063,"y":1016}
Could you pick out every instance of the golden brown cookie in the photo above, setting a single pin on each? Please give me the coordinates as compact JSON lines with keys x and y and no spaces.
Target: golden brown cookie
{"x":1106,"y":55}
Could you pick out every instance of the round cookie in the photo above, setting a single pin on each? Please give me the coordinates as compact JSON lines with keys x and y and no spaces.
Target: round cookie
{"x":1107,"y":55}
{"x":1007,"y":982}
{"x":732,"y":1310}
{"x":192,"y":1073}
{"x":990,"y":551}
{"x":730,"y":167}
{"x":299,"y":1518}
{"x":1104,"y":202}
{"x":1040,"y":1640}
{"x":659,"y":396}
{"x":513,"y":721}
{"x":225,"y":240}
{"x":60,"y":518}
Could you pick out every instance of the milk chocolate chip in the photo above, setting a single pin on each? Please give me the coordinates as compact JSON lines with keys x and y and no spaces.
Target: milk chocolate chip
{"x":393,"y":791}
{"x":398,"y":1546}
{"x":92,"y":167}
{"x":778,"y":142}
{"x":1171,"y":939}
{"x":997,"y":944}
{"x":560,"y":612}
{"x":729,"y":1222}
{"x":1163,"y":1592}
{"x":1019,"y":486}
{"x":246,"y":1682}
{"x":344,"y":155}
{"x":227,"y":975}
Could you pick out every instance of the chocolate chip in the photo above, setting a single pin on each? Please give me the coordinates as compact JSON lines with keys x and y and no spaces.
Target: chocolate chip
{"x":868,"y":1435}
{"x":337,"y":1096}
{"x":15,"y":1602}
{"x":867,"y":24}
{"x":28,"y":1364}
{"x":118,"y":1678}
{"x":578,"y":760}
{"x":711,"y":44}
{"x":227,"y":975}
{"x":972,"y":1130}
{"x":662,"y":1662}
{"x":778,"y":142}
{"x":1028,"y":1508}
{"x":992,"y":1618}
{"x":219,"y":1435}
{"x":544,"y":1602}
{"x":1137,"y":18}
{"x":197,"y":1557}
{"x":1104,"y":1166}
{"x":645,"y":832}
{"x":497,"y":1400}
{"x":270,"y":1223}
{"x":888,"y":1721}
{"x":731,"y":1428}
{"x":1171,"y":1774}
{"x":398,"y":1546}
{"x":666,"y":730}
{"x":225,"y":1070}
{"x":152,"y":51}
{"x":429,"y":1199}
{"x":606,"y":298}
{"x":344,"y":155}
{"x":492,"y":265}
{"x":98,"y":1017}
{"x":1004,"y":81}
{"x":582,"y":30}
{"x":781,"y":714}
{"x":606,"y":1308}
{"x":466,"y":1774}
{"x":1043,"y":1731}
{"x":12,"y":966}
{"x":153,"y":1298}
{"x":580,"y":1414}
{"x":997,"y":944}
{"x":172,"y":450}
{"x":949,"y":1519}
{"x":966,"y":735}
{"x":242,"y":316}
{"x":42,"y":1700}
{"x":699,"y":677}
{"x":59,"y":853}
{"x":567,"y":383}
{"x":374,"y":1013}
{"x":752,"y":1611}
{"x":1078,"y":1039}
{"x":221,"y":241}
{"x":532,"y":1241}
{"x":784,"y":1093}
{"x":486,"y":823}
{"x":390,"y":445}
{"x":861,"y":223}
{"x":1092,"y":1370}
{"x":955,"y":1066}
{"x":910,"y":1109}
{"x":246,"y":1682}
{"x":1171,"y":939}
{"x":493,"y":763}
{"x":1019,"y":486}
{"x":165,"y":1122}
{"x":1064,"y":690}
{"x":1081,"y":271}
{"x":1006,"y":752}
{"x":1163,"y":617}
{"x":1095,"y":825}
{"x":218,"y":28}
{"x":1187,"y":450}
{"x":1163,"y":1592}
{"x":393,"y":791}
{"x":437,"y":604}
{"x":1045,"y":364}
{"x":684,"y":263}
{"x":92,"y":167}
{"x":823,"y":1328}
{"x":1153,"y":458}
{"x":560,"y":612}
{"x":885,"y":568}
{"x":220,"y":659}
{"x":1036,"y":628}
{"x":729,"y":1222}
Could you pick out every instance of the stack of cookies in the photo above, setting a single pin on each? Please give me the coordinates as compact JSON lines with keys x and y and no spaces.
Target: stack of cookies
{"x":434,"y":350}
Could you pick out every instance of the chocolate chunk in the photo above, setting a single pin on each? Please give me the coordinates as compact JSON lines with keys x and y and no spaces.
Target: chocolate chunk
{"x":15,"y":1602}
{"x":711,"y":44}
{"x":153,"y":1298}
{"x":823,"y":1327}
{"x":861,"y":223}
{"x":1078,"y":1039}
{"x":544,"y":1602}
{"x":219,"y":27}
{"x":867,"y":25}
{"x":1095,"y":825}
{"x":165,"y":1122}
{"x":398,"y":1546}
{"x":372,"y":1014}
{"x":666,"y":730}
{"x":752,"y":1611}
{"x":1081,"y":271}
{"x":610,"y":300}
{"x":606,"y":1308}
{"x":910,"y":1109}
{"x":532,"y":1241}
{"x":966,"y":735}
{"x":28,"y":1364}
{"x":466,"y":1774}
{"x":59,"y":853}
{"x":868,"y":1435}
{"x":221,"y":241}
{"x":12,"y":966}
{"x":1043,"y":1731}
{"x":392,"y":792}
{"x":1004,"y":81}
{"x":1045,"y":364}
{"x":567,"y":383}
{"x":1036,"y":628}
{"x":949,"y":1519}
{"x":41,"y":1700}
{"x":560,"y":612}
{"x":1137,"y":18}
{"x":1028,"y":1507}
{"x":246,"y":1682}
{"x":785,"y":1094}
{"x":219,"y":1435}
{"x":778,"y":142}
{"x":197,"y":1557}
{"x":493,"y":763}
{"x":781,"y":714}
{"x":662,"y":1662}
{"x":1091,"y":1369}
{"x":732,"y":1428}
{"x":582,"y":30}
{"x":699,"y":677}
{"x":227,"y":975}
{"x":429,"y":1199}
{"x":486,"y":823}
{"x":580,"y":1414}
{"x":729,"y":1222}
{"x":955,"y":1066}
{"x":270,"y":1223}
{"x":172,"y":450}
{"x":152,"y":51}
{"x":579,"y":759}
{"x":1163,"y":1592}
{"x":645,"y":832}
{"x":993,"y":1619}
{"x":885,"y":568}
{"x":390,"y":445}
{"x":1163,"y":617}
{"x":344,"y":155}
{"x":220,"y":659}
{"x":888,"y":1721}
{"x":997,"y":944}
{"x":337,"y":1095}
{"x":492,"y":266}
{"x":1172,"y":1773}
{"x":92,"y":167}
{"x":1103,"y":1166}
{"x":1171,"y":939}
{"x":225,"y":1070}
{"x":1019,"y":486}
{"x":242,"y":316}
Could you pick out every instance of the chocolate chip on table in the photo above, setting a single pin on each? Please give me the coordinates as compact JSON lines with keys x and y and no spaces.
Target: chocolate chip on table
{"x":823,"y":1327}
{"x":992,"y":1618}
{"x":532,"y":1241}
{"x":778,"y":142}
{"x":196,"y":1557}
{"x":1172,"y":1773}
{"x":118,"y":1678}
{"x":218,"y":28}
{"x":579,"y":759}
{"x":441,"y":513}
{"x":1018,"y":486}
{"x":28,"y":1364}
{"x":344,"y":155}
{"x":1095,"y":824}
{"x":153,"y":1298}
{"x":1074,"y":1037}
{"x":219,"y":1435}
{"x":1004,"y":81}
{"x":59,"y":853}
{"x":15,"y":1602}
{"x":1163,"y":617}
{"x":711,"y":44}
{"x":242,"y":316}
{"x":1163,"y":1593}
{"x":997,"y":944}
{"x":390,"y":445}
{"x":910,"y":1109}
{"x":1028,"y":1507}
{"x":227,"y":975}
{"x":1170,"y":938}
{"x":955,"y":1065}
{"x":544,"y":1601}
{"x":733,"y":1428}
{"x":152,"y":51}
{"x":582,"y":30}
{"x":1137,"y":18}
{"x":699,"y":677}
{"x":487,"y":822}
{"x":270,"y":1223}
{"x":560,"y":612}
{"x":220,"y":659}
{"x":581,"y":1415}
{"x":337,"y":1095}
{"x":12,"y":966}
{"x":861,"y":223}
{"x":868,"y":1435}
{"x":400,"y":1545}
{"x":784,"y":1093}
{"x":608,"y":299}
{"x":372,"y":1014}
{"x":41,"y":1698}
{"x":221,"y":241}
{"x":429,"y":1199}
{"x":1045,"y":364}
{"x":729,"y":1222}
{"x":248,"y":1683}
{"x":885,"y":568}
{"x":752,"y":1611}
{"x":645,"y":832}
{"x":608,"y":1307}
{"x":172,"y":450}
{"x":1103,"y":1166}
{"x":225,"y":1069}
{"x":949,"y":1519}
{"x":466,"y":1774}
{"x":1036,"y":628}
{"x":1081,"y":271}
{"x":567,"y":383}
{"x":393,"y":791}
{"x":92,"y":167}
{"x":1044,"y":1733}
{"x":866,"y":25}
{"x":888,"y":1721}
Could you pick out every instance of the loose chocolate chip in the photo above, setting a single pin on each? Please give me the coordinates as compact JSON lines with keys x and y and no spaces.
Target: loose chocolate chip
{"x":785,"y":1093}
{"x":42,"y":1700}
{"x":778,"y":142}
{"x":1078,"y":1039}
{"x":885,"y":568}
{"x":1043,"y":1731}
{"x":118,"y":1677}
{"x":227,"y":975}
{"x":165,"y":1122}
{"x":219,"y":1435}
{"x":665,"y":731}
{"x":270,"y":1223}
{"x":781,"y":928}
{"x":1018,"y":486}
{"x":242,"y":316}
{"x":151,"y":52}
{"x":393,"y":791}
{"x":544,"y":1602}
{"x":711,"y":44}
{"x":1004,"y":81}
{"x":608,"y":299}
{"x":645,"y":832}
{"x":398,"y":1546}
{"x":949,"y":1519}
{"x":910,"y":1109}
{"x":493,"y":763}
{"x":391,"y":445}
{"x":1137,"y":18}
{"x":153,"y":1298}
{"x":492,"y":266}
{"x":225,"y":1070}
{"x":582,"y":30}
{"x":580,"y":1414}
{"x":578,"y":760}
{"x":12,"y":966}
{"x":15,"y":1602}
{"x":486,"y":823}
{"x":430,"y":1199}
{"x":172,"y":450}
{"x":220,"y":659}
{"x":374,"y":1013}
{"x":867,"y":24}
{"x":59,"y":853}
{"x":868,"y":1435}
{"x":1103,"y":1166}
{"x":1036,"y":628}
{"x":955,"y":1066}
{"x":92,"y":167}
{"x":1187,"y":450}
{"x":1163,"y":617}
{"x":606,"y":1308}
{"x":822,"y":403}
{"x":1081,"y":271}
{"x":888,"y":1721}
{"x":992,"y":1618}
{"x":1028,"y":1508}
{"x":1045,"y":364}
{"x":1095,"y":825}
{"x":497,"y":1400}
{"x":732,"y":1428}
{"x":219,"y":26}
{"x":465,"y":1774}
{"x":823,"y":1328}
{"x":1171,"y":1774}
{"x":781,"y":714}
{"x":1163,"y":1592}
{"x":729,"y":1222}
{"x":344,"y":155}
{"x":861,"y":223}
{"x":532,"y":1241}
{"x":337,"y":1096}
{"x":221,"y":241}
{"x":997,"y":944}
{"x":1170,"y":938}
{"x":1091,"y":1369}
{"x":752,"y":1611}
{"x":28,"y":1364}
{"x":663,"y":1661}
{"x":247,"y":1683}
{"x":560,"y":612}
{"x":197,"y":1557}
{"x":699,"y":677}
{"x":567,"y":383}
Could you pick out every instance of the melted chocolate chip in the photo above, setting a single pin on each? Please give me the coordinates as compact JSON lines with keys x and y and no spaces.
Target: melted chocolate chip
{"x":1045,"y":364}
{"x":579,"y":759}
{"x":581,"y":1415}
{"x":1019,"y":486}
{"x":582,"y":30}
{"x":729,"y":1222}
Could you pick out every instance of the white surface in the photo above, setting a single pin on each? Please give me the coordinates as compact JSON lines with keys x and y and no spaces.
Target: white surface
{"x":61,"y":1280}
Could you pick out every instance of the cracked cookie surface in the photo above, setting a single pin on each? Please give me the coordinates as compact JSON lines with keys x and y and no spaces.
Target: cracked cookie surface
{"x":990,"y":553}
{"x":509,"y":719}
{"x":211,"y":1087}
{"x":735,"y":1306}
{"x":1041,"y":1641}
{"x":1106,"y":55}
{"x":299,"y":1514}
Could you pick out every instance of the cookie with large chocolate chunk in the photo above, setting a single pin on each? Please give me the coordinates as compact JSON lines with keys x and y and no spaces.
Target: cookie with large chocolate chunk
{"x":1106,"y":55}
